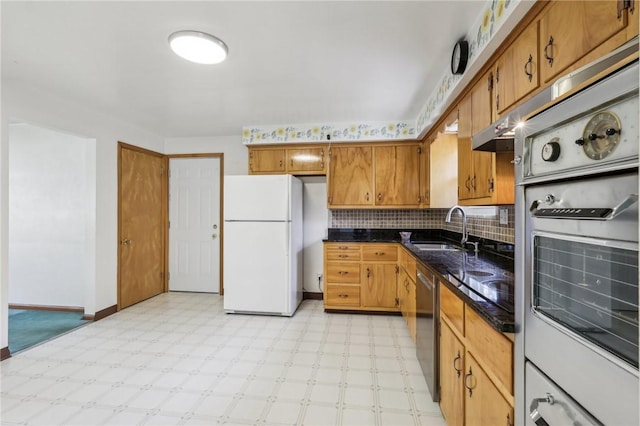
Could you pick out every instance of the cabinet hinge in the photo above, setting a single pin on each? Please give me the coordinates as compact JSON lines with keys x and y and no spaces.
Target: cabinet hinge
{"x":624,"y":4}
{"x":397,"y":302}
{"x":162,"y":171}
{"x":419,"y":150}
{"x":491,"y":184}
{"x":397,"y":269}
{"x":497,"y":102}
{"x":490,"y":82}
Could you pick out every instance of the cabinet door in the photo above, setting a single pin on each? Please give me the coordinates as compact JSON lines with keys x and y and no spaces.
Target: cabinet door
{"x":444,"y":171}
{"x":516,"y":73}
{"x":378,"y":288}
{"x":481,"y":114}
{"x":424,"y":176}
{"x":306,"y":160}
{"x":465,"y":169}
{"x":482,"y":181}
{"x":397,"y":175}
{"x":451,"y":369}
{"x":350,"y":177}
{"x":411,"y":309}
{"x":571,"y":29}
{"x":266,"y":161}
{"x":484,"y":404}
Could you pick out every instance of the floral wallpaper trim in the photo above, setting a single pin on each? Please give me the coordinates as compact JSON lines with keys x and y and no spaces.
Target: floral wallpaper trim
{"x":489,"y":22}
{"x":494,"y":15}
{"x":396,"y":130}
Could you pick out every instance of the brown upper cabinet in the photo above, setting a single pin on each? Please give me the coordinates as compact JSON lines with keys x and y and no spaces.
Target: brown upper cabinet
{"x":266,"y":160}
{"x":377,"y":175}
{"x":296,"y":160}
{"x":516,"y":70}
{"x":350,"y":178}
{"x":397,"y":175}
{"x":571,"y":29}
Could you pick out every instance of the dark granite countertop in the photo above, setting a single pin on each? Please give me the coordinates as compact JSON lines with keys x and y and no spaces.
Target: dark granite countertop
{"x":483,"y":280}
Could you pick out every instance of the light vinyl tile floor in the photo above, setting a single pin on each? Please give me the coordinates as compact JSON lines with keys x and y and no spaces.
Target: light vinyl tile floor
{"x":178,"y":359}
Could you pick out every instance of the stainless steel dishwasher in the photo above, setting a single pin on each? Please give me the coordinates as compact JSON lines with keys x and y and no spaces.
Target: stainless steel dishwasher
{"x":427,"y":318}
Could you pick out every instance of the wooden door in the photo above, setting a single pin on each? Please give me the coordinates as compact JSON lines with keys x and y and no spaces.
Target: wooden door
{"x":481,"y":114}
{"x":350,"y":180}
{"x":517,"y":72}
{"x":378,"y":288}
{"x":194,"y":215}
{"x":484,"y":404}
{"x":424,"y":175}
{"x":444,"y":171}
{"x":397,"y":175}
{"x":483,"y":180}
{"x":142,"y":225}
{"x":270,"y":160}
{"x":571,"y":29}
{"x":306,"y":160}
{"x":451,"y":375}
{"x":465,"y":169}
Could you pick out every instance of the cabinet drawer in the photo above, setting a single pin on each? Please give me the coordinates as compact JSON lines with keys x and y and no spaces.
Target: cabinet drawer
{"x":342,"y":295}
{"x":333,"y":254}
{"x":380,"y":252}
{"x":453,"y":307}
{"x":497,"y":350}
{"x":343,"y":272}
{"x":408,"y":263}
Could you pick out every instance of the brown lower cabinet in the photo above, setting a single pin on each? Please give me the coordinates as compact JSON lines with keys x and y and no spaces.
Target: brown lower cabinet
{"x":476,"y":367}
{"x":361,"y":276}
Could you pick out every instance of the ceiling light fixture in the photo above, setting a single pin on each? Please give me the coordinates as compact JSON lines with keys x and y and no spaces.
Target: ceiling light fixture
{"x":198,"y":47}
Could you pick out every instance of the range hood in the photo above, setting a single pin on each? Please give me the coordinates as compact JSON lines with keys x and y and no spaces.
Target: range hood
{"x":499,"y":135}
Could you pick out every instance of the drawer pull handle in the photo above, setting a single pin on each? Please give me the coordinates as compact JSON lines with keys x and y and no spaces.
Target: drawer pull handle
{"x":343,"y":272}
{"x":549,"y":48}
{"x":342,"y":256}
{"x":343,"y":296}
{"x":379,"y":253}
{"x":457,"y":358}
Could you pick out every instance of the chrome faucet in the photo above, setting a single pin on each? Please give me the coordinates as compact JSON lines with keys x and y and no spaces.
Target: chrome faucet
{"x":465,"y":235}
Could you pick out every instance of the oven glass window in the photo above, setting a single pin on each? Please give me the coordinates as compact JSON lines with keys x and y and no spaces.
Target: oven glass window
{"x":590,"y":289}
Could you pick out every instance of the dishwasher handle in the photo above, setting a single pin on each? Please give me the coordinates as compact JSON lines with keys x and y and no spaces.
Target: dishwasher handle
{"x":424,"y":280}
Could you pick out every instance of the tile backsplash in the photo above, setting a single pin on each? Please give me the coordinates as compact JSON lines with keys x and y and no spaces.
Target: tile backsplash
{"x":484,"y":227}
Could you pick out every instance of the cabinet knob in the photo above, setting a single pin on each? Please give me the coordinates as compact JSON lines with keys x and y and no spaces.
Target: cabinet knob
{"x":366,"y":196}
{"x":125,"y":242}
{"x":379,"y":196}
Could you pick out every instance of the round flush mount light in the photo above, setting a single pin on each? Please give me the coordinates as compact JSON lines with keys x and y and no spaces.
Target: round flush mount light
{"x":198,"y":47}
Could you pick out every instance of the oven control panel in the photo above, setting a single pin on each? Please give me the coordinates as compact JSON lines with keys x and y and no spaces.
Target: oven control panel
{"x":607,"y":135}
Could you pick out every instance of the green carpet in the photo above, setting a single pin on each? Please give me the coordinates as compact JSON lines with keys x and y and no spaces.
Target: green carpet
{"x":30,"y":327}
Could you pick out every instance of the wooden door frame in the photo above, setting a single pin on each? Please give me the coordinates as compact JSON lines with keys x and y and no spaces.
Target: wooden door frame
{"x":165,"y":211}
{"x":220,"y":156}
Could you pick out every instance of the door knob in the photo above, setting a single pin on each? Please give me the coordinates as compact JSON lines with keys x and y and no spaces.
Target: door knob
{"x":215,"y":226}
{"x":214,"y":236}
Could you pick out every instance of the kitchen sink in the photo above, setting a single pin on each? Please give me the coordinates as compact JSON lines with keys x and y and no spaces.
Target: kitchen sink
{"x":435,"y":247}
{"x":478,"y":273}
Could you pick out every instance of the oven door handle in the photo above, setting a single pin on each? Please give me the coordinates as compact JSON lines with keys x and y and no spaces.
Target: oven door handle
{"x":535,"y":414}
{"x":583,"y":212}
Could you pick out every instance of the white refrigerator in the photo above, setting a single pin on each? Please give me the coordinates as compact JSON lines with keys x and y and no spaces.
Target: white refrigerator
{"x":262,"y":249}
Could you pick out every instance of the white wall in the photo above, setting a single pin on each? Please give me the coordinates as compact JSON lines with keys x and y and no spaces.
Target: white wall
{"x":315,"y":222}
{"x":235,"y":160}
{"x":27,"y":104}
{"x":50,"y":215}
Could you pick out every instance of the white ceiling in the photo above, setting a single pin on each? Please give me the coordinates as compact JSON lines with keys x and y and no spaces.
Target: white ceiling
{"x":289,"y":62}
